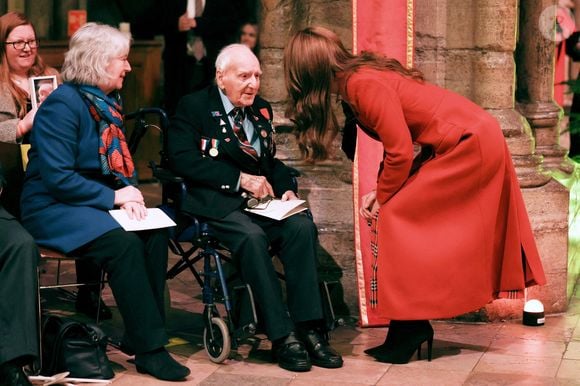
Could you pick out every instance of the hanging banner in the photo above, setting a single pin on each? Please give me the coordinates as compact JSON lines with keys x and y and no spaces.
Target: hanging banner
{"x":385,"y":26}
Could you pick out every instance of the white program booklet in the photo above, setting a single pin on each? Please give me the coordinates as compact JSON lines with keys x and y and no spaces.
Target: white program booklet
{"x":278,"y":210}
{"x":156,"y":218}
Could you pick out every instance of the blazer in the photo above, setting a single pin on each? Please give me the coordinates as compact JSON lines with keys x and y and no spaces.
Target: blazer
{"x":8,"y":116}
{"x":200,"y":124}
{"x":65,"y":199}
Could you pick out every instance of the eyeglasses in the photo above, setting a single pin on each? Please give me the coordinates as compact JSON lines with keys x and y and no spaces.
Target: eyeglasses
{"x":20,"y":44}
{"x":254,"y":203}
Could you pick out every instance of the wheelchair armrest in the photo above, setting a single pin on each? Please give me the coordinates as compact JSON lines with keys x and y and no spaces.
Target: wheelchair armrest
{"x":166,"y":176}
{"x":294,"y":172}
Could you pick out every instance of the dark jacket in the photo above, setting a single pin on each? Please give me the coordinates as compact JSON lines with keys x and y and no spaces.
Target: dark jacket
{"x":212,"y":180}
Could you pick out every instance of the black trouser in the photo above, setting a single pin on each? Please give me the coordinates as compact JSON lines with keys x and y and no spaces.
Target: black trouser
{"x":18,"y":291}
{"x":248,"y":238}
{"x":135,"y":263}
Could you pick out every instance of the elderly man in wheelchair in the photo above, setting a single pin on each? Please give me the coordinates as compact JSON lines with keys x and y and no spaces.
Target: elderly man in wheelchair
{"x":220,"y":141}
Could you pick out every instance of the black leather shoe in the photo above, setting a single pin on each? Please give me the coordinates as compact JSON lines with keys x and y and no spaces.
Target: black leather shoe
{"x":161,"y":365}
{"x":88,"y":302}
{"x":12,"y":375}
{"x":321,"y":354}
{"x":291,"y":354}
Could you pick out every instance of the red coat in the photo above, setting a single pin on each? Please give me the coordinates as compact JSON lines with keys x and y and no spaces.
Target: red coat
{"x":454,"y":234}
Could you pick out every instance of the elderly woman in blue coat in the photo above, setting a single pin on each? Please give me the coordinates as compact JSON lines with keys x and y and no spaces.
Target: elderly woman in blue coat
{"x":80,"y":168}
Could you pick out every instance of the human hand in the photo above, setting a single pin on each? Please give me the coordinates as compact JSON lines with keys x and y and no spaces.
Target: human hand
{"x":25,"y":124}
{"x":135,"y":210}
{"x":258,"y":186}
{"x":186,"y":23}
{"x":128,"y":194}
{"x":289,"y":195}
{"x":369,"y":205}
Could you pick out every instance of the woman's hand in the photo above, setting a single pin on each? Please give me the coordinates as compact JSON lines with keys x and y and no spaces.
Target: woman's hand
{"x":289,"y":195}
{"x":25,"y":124}
{"x":135,"y":210}
{"x":369,"y":205}
{"x":128,"y":194}
{"x":257,"y":186}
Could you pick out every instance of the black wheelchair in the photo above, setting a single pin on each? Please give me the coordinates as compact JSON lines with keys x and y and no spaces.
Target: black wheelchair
{"x":222,"y":334}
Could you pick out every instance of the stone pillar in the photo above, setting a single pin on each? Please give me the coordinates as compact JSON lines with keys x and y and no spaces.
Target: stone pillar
{"x":326,"y":186}
{"x":535,"y":78}
{"x":464,"y":46}
{"x":547,"y":204}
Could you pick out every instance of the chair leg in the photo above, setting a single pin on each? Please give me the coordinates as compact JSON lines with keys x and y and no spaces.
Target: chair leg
{"x":100,"y":291}
{"x":39,"y":322}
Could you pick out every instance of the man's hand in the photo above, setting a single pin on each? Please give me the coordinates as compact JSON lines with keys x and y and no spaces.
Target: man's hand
{"x":289,"y":195}
{"x":257,"y":186}
{"x":185,"y":23}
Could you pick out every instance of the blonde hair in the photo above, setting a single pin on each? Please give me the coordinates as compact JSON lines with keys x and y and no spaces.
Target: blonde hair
{"x":91,"y":48}
{"x":312,"y":57}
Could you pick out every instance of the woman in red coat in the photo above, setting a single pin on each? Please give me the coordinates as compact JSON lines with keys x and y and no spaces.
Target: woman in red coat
{"x":453,"y":232}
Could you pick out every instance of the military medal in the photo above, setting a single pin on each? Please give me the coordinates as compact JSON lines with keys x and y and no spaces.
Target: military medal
{"x":264,"y":133}
{"x":203,"y":145}
{"x":213,"y":151}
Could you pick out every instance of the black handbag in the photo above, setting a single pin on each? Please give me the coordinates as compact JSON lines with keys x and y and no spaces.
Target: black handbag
{"x":76,"y":347}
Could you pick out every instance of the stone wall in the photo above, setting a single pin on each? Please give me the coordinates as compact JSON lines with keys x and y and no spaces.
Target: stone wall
{"x":327,"y":186}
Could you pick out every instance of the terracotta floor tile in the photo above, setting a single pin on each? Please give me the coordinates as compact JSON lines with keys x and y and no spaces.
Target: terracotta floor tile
{"x":401,"y":375}
{"x":572,"y":350}
{"x":527,"y":347}
{"x":498,"y":379}
{"x":569,"y":370}
{"x":517,"y":364}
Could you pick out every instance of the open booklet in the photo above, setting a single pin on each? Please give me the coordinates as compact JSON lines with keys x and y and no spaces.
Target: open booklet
{"x":156,"y":218}
{"x":277,"y":209}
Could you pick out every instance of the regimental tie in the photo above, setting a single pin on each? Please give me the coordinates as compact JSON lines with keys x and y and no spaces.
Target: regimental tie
{"x":238,"y":116}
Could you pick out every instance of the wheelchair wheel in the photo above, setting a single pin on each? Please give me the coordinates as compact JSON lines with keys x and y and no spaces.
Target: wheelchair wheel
{"x":218,"y":348}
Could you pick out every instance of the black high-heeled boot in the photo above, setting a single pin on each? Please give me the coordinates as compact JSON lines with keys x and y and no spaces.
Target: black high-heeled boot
{"x":403,"y":338}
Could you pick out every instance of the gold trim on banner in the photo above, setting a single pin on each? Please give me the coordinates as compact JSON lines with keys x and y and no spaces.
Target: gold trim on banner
{"x":354,"y":27}
{"x":410,"y":27}
{"x":360,"y":277}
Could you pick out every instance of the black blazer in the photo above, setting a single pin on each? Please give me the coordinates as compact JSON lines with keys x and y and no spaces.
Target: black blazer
{"x":212,"y":177}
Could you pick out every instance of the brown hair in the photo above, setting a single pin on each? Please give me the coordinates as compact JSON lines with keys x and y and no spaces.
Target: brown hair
{"x":8,"y":22}
{"x":311,"y":59}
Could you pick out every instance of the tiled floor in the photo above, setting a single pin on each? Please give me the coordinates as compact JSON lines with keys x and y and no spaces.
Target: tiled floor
{"x":505,"y":353}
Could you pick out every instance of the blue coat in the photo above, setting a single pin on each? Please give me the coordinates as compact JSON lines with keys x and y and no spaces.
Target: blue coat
{"x":65,"y":200}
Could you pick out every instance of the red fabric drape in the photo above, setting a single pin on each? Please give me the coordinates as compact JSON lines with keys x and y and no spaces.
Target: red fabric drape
{"x":384,"y":26}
